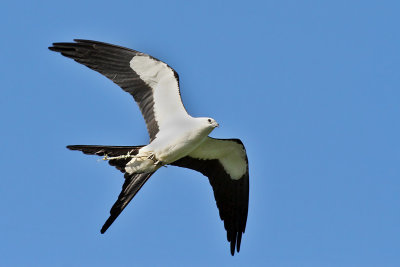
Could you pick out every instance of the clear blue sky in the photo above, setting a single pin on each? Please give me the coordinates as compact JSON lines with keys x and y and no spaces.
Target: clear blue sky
{"x":311,"y":87}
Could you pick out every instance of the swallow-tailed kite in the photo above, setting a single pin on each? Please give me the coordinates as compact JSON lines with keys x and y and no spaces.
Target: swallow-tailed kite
{"x":176,"y":138}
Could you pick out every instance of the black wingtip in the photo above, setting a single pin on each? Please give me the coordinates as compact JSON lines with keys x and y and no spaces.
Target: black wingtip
{"x":233,"y":243}
{"x":239,"y":240}
{"x":234,"y":239}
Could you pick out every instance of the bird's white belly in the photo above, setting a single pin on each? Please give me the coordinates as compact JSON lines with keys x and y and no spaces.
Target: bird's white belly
{"x":169,"y":145}
{"x":170,"y":149}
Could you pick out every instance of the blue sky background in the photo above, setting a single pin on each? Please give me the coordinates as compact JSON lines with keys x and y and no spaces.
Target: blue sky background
{"x":311,"y":88}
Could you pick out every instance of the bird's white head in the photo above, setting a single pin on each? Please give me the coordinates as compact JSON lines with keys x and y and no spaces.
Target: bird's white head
{"x":211,"y":122}
{"x":204,"y":125}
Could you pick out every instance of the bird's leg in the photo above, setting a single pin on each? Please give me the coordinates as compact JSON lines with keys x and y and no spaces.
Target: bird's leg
{"x":152,"y":157}
{"x":155,"y":160}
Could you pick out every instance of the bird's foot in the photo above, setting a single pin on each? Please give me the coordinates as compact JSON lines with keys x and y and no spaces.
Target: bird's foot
{"x":155,"y":160}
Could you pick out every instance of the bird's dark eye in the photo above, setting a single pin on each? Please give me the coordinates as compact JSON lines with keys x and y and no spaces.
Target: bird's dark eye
{"x":209,"y":120}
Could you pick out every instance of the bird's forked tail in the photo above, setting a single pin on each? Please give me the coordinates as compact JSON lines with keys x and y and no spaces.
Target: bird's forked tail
{"x":118,"y":156}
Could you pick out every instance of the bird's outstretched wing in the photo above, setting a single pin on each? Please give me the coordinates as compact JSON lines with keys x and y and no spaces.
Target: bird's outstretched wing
{"x":153,"y":84}
{"x":224,"y":162}
{"x":133,"y":182}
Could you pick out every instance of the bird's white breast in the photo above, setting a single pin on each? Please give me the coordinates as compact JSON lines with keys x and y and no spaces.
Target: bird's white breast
{"x":179,"y":140}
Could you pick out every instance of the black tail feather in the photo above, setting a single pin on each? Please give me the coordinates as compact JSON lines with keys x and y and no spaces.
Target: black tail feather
{"x":133,"y":182}
{"x":109,"y":151}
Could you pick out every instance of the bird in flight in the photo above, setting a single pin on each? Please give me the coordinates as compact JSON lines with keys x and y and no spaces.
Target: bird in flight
{"x":176,"y":138}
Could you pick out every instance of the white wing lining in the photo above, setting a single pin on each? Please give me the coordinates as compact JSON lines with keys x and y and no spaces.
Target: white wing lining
{"x":230,"y":153}
{"x":160,"y":77}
